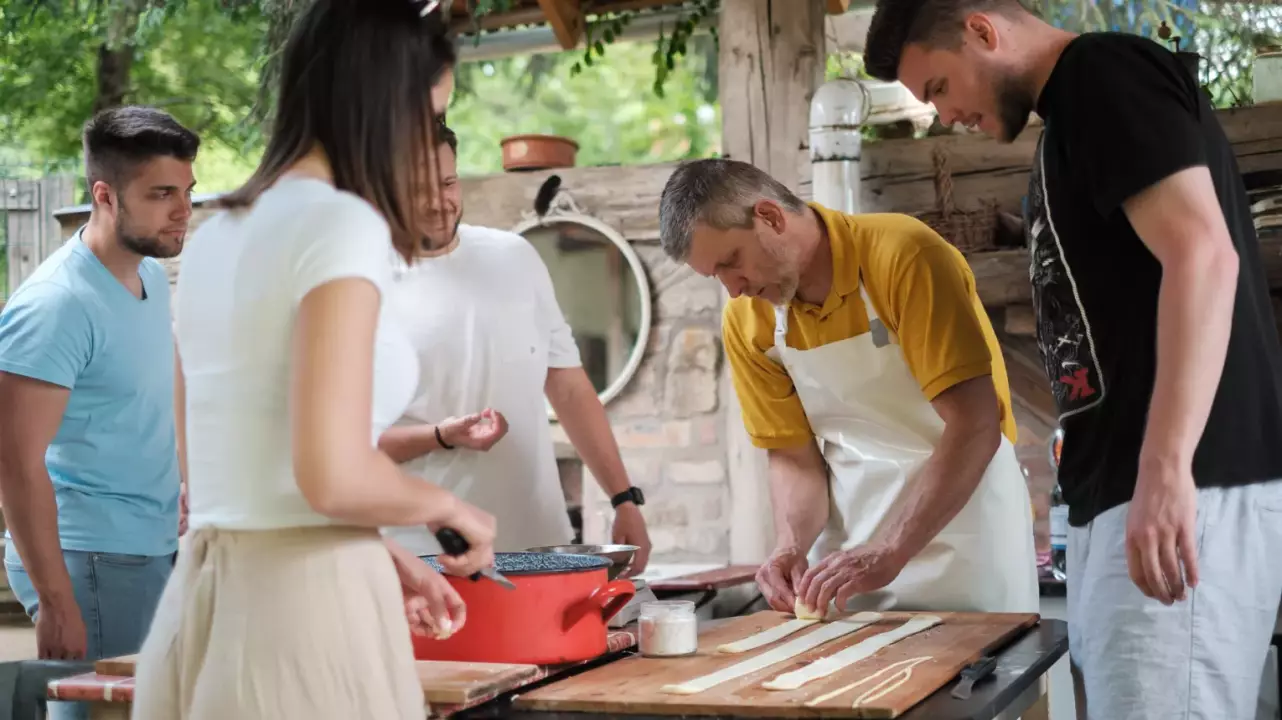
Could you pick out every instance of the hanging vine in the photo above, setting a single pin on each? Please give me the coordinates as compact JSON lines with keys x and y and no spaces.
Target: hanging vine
{"x":603,"y":30}
{"x":670,"y":47}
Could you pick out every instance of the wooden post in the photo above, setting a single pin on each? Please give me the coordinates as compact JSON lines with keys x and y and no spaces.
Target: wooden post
{"x":772,"y":60}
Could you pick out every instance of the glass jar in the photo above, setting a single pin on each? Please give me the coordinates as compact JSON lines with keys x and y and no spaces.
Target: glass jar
{"x":668,"y":628}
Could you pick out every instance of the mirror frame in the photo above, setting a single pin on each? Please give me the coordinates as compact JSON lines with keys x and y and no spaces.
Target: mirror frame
{"x":563,"y":209}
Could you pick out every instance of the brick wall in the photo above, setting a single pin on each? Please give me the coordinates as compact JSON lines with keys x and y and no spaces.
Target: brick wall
{"x":669,"y":421}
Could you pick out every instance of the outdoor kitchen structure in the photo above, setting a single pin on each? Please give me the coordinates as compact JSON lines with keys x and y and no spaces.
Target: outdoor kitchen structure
{"x":657,"y":359}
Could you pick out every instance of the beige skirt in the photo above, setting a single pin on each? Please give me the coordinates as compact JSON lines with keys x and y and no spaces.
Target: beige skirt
{"x":297,"y":624}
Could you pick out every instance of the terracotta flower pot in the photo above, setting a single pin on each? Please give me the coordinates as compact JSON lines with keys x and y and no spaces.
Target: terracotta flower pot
{"x":538,"y":152}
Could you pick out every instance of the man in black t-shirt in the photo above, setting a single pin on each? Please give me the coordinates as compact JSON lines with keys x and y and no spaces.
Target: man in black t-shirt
{"x":1157,"y":332}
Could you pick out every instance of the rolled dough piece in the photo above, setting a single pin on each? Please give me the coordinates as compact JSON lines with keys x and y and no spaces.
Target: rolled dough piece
{"x":806,"y":613}
{"x":851,"y":655}
{"x":765,"y":637}
{"x":827,"y":633}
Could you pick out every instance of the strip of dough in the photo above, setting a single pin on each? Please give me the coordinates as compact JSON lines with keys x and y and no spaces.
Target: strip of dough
{"x":765,"y":637}
{"x":851,"y":655}
{"x":900,"y":666}
{"x":827,"y":633}
{"x":884,"y":688}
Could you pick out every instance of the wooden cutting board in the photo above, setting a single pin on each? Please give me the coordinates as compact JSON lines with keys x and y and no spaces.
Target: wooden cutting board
{"x":631,"y":685}
{"x":449,"y":683}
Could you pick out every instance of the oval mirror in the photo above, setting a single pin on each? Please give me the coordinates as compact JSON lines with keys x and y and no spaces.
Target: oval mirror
{"x":603,"y":292}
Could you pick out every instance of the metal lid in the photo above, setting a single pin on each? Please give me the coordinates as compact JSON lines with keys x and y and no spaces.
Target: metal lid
{"x":534,"y":563}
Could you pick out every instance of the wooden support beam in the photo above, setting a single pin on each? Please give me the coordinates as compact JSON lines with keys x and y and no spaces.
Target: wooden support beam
{"x":1027,"y":375}
{"x":771,"y":61}
{"x":898,"y":175}
{"x":566,"y":19}
{"x":1001,"y":277}
{"x":1020,"y":321}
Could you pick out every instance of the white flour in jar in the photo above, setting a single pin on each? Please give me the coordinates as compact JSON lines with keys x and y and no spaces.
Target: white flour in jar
{"x":668,"y":629}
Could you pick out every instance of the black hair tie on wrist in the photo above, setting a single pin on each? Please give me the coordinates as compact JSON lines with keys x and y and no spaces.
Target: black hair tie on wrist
{"x":440,"y":440}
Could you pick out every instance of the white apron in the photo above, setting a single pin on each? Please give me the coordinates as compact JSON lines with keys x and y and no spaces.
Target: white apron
{"x":877,"y":429}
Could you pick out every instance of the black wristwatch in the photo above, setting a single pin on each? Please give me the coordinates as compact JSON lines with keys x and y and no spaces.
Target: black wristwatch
{"x":632,"y":495}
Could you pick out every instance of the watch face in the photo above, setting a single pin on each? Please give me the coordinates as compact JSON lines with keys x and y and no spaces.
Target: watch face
{"x":637,"y":496}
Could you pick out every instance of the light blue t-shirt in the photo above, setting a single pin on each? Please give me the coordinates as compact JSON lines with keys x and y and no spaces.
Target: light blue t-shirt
{"x":114,"y":461}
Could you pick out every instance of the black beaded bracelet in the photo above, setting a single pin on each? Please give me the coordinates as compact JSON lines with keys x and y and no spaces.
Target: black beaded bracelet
{"x":440,"y":440}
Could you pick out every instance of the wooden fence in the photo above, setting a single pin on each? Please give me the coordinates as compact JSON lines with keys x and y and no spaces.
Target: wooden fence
{"x":30,"y":230}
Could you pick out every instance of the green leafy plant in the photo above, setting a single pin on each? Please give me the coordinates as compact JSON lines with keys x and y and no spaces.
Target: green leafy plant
{"x":606,"y":28}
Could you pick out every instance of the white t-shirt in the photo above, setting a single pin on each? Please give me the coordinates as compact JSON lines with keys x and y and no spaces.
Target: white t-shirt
{"x":486,"y":324}
{"x":242,"y":277}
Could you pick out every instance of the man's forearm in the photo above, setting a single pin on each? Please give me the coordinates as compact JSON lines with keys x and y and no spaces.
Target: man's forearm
{"x":408,"y":442}
{"x":1194,"y":317}
{"x":580,"y":412}
{"x":31,"y":513}
{"x":945,"y":484}
{"x":798,"y":496}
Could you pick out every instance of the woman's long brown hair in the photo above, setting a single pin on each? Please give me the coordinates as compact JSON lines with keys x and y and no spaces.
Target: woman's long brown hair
{"x":356,"y":79}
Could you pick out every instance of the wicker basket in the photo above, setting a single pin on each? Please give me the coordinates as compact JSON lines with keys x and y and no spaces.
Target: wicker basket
{"x":967,"y":230}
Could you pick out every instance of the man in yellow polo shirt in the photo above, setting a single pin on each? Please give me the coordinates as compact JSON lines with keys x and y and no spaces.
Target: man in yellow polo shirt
{"x":867,"y":368}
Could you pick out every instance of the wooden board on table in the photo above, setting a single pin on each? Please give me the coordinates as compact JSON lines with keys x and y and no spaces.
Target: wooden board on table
{"x":718,"y":579}
{"x":453,"y":683}
{"x":464,"y":683}
{"x":122,"y":666}
{"x":631,"y":685}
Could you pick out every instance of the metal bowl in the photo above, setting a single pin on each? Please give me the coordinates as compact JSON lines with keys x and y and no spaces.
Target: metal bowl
{"x":619,"y":555}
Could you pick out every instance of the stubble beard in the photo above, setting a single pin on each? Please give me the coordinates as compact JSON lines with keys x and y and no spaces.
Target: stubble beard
{"x":786,"y":261}
{"x":151,"y":247}
{"x":1014,"y":104}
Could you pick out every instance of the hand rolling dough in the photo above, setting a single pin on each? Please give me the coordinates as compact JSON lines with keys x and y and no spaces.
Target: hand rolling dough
{"x":851,"y":655}
{"x":796,"y":646}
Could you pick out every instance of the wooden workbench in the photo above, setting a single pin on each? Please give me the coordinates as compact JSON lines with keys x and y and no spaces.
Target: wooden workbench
{"x":1018,"y":684}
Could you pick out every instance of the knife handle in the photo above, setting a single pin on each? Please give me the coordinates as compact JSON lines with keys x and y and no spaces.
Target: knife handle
{"x":980,"y":668}
{"x":454,"y":544}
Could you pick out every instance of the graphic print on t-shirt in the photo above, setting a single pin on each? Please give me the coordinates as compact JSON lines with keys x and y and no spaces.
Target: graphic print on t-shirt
{"x":1063,"y":330}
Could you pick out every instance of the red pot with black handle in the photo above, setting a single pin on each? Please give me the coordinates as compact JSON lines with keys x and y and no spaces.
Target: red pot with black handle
{"x":556,"y":614}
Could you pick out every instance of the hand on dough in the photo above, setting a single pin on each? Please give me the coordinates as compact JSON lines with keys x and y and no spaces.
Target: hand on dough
{"x":805,"y":612}
{"x":843,"y":575}
{"x":779,"y":577}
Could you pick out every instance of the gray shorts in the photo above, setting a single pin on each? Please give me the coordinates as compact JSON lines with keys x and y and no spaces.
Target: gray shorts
{"x":1200,"y":659}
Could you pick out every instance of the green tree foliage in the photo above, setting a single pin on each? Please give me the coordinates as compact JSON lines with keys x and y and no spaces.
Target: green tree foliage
{"x":197,"y":59}
{"x":608,"y":108}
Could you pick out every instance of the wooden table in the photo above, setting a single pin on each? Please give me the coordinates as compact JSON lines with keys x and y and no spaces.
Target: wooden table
{"x":1018,"y":684}
{"x":709,"y":580}
{"x":110,"y":697}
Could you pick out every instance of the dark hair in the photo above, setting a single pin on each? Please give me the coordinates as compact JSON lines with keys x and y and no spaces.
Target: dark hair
{"x":356,"y":79}
{"x":717,"y":192}
{"x":118,"y":140}
{"x":896,"y":23}
{"x":445,"y":134}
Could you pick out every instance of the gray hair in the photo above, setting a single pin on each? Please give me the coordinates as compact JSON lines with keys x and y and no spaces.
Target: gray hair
{"x":719,"y":193}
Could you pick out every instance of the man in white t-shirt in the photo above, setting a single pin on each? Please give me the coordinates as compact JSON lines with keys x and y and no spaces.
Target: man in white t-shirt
{"x":481,"y":311}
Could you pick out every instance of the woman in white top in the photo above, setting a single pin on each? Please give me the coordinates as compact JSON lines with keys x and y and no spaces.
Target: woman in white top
{"x":285,"y":603}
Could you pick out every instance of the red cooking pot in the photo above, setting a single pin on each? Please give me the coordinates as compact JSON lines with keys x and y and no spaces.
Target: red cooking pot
{"x":556,"y":614}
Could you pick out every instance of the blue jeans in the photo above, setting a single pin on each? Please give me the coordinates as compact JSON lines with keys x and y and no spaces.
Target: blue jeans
{"x":117,"y":595}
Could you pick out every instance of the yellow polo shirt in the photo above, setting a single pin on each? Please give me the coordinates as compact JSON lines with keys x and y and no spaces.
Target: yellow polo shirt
{"x":923,"y":291}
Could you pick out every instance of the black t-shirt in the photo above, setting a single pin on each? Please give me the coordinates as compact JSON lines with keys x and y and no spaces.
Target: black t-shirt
{"x":1121,"y":113}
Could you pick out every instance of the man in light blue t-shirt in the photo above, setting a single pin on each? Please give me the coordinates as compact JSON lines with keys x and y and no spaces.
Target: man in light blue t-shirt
{"x":89,"y":467}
